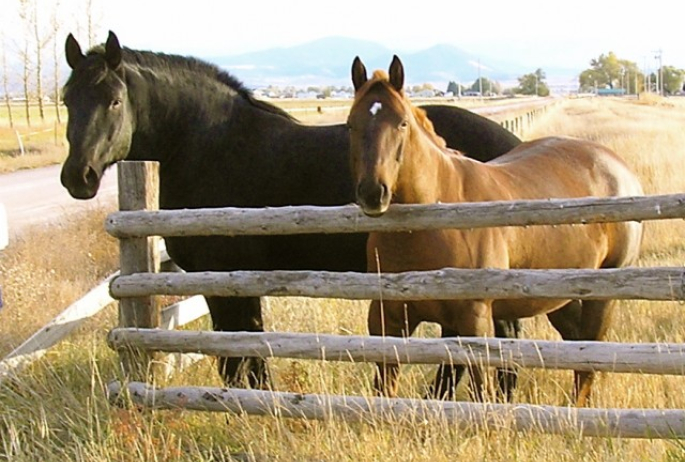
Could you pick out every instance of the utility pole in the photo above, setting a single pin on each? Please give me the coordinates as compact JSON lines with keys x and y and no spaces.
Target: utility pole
{"x":659,"y":75}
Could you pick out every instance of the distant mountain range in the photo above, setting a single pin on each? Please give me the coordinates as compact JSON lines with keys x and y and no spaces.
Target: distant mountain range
{"x":327,"y":61}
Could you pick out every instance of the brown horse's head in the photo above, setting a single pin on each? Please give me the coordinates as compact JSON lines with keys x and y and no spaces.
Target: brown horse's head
{"x":100,"y":125}
{"x":382,"y":123}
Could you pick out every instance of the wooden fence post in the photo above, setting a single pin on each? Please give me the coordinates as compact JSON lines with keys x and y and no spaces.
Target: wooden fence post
{"x":139,"y":190}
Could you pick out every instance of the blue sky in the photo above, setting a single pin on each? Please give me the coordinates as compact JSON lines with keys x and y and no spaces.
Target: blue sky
{"x":531,"y":32}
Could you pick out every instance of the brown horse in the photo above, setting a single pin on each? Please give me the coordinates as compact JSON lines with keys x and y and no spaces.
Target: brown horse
{"x":396,"y":157}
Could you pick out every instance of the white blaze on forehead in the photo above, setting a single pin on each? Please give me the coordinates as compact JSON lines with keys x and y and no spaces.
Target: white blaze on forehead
{"x":375,"y":107}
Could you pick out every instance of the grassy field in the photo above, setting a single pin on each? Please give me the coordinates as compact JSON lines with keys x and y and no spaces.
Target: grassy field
{"x":56,"y":410}
{"x":43,"y":141}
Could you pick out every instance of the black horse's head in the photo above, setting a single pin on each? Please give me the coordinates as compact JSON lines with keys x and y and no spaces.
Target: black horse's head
{"x":101,"y":121}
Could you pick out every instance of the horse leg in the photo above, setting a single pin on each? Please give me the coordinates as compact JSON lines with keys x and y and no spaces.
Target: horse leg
{"x":595,"y":321}
{"x":390,"y":318}
{"x":567,"y":320}
{"x":231,"y":314}
{"x":449,"y":375}
{"x":583,"y":320}
{"x":507,"y":377}
{"x":472,"y":319}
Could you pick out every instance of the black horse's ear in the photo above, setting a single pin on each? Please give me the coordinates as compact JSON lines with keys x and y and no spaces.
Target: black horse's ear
{"x":396,"y":73}
{"x":113,"y":52}
{"x":358,"y":73}
{"x":73,"y":52}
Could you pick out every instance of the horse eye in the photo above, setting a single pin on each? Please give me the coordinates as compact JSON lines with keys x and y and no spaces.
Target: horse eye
{"x":403,"y":125}
{"x":115,"y":103}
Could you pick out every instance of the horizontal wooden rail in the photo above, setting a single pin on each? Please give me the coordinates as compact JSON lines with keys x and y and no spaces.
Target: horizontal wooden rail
{"x":624,"y":423}
{"x":650,"y":358}
{"x":400,"y":217}
{"x":666,"y":283}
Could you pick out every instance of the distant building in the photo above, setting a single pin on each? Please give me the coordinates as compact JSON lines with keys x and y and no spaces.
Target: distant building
{"x":611,"y":91}
{"x":306,"y":95}
{"x":424,"y":94}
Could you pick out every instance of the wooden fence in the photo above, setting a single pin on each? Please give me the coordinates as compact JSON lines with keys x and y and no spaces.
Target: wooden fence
{"x":517,"y":118}
{"x":188,"y":310}
{"x":139,"y":283}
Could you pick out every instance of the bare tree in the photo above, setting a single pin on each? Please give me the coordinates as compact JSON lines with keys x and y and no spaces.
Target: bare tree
{"x":5,"y":80}
{"x":88,"y":23}
{"x":41,"y":38}
{"x":39,"y":43}
{"x":91,"y":23}
{"x":56,"y":26}
{"x":23,"y":48}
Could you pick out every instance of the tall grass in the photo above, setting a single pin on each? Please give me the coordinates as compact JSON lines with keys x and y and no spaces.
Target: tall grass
{"x":57,"y":410}
{"x":46,"y":269}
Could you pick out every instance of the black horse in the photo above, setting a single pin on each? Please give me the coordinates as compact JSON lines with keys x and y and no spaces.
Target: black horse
{"x":218,"y":146}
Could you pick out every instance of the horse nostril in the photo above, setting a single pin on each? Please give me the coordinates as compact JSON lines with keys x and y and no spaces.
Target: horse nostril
{"x":384,"y":191}
{"x":90,"y":176}
{"x":372,"y":193}
{"x":360,"y":190}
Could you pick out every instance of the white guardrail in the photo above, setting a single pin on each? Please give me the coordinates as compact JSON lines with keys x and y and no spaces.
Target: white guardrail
{"x":4,"y":228}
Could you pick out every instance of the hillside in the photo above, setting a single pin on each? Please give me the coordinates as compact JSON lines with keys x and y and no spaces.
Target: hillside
{"x":328,"y":61}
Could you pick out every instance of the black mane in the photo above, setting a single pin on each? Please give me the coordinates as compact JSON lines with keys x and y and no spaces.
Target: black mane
{"x":176,"y":63}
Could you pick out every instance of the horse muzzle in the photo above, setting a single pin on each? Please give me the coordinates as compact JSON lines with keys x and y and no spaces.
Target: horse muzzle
{"x":373,"y":197}
{"x":82,"y":183}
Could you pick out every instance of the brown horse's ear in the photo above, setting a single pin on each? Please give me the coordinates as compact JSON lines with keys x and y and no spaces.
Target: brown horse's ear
{"x":73,"y":52}
{"x":358,"y":73}
{"x":113,"y":52}
{"x":396,"y":73}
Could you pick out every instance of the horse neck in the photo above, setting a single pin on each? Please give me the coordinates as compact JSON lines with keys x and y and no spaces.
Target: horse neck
{"x":166,"y":113}
{"x":428,"y":173}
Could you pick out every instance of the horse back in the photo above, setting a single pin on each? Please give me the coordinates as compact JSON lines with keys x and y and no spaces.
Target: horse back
{"x":560,"y":167}
{"x":564,"y":167}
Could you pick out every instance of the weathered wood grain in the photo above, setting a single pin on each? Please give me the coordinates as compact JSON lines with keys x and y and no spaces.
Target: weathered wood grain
{"x":400,"y":217}
{"x":624,"y":423}
{"x":666,"y":283}
{"x":651,"y":358}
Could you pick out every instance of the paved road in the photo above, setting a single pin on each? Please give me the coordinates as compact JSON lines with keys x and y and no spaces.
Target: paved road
{"x":36,"y":196}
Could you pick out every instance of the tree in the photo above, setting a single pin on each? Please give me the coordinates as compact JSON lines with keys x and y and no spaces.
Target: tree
{"x":40,"y":40}
{"x":24,"y":55}
{"x":5,"y":79}
{"x":88,"y":23}
{"x":533,"y":84}
{"x":454,"y":88}
{"x":608,"y":71}
{"x":423,"y":87}
{"x":55,"y":24}
{"x":672,"y":79}
{"x":484,"y":86}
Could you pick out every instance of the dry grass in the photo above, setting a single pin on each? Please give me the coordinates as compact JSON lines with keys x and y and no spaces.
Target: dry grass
{"x":57,"y":411}
{"x":45,"y":270}
{"x":43,"y":141}
{"x":647,"y":134}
